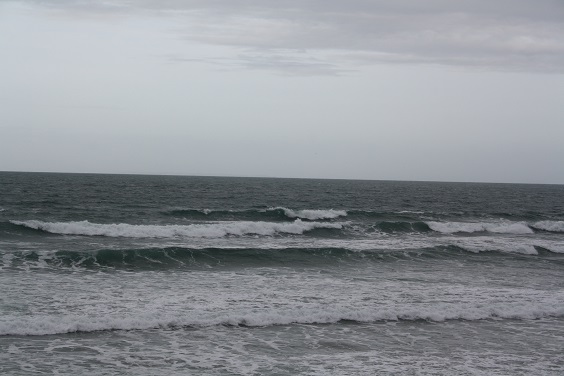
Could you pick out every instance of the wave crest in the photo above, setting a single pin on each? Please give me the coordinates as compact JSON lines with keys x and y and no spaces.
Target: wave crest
{"x":312,"y":214}
{"x":552,"y":226}
{"x":499,"y":227}
{"x":46,"y":325}
{"x":207,"y":230}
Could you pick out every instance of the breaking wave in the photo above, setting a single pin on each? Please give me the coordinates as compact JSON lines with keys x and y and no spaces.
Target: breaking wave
{"x":499,"y":227}
{"x":312,"y":214}
{"x":467,"y":227}
{"x":552,"y":226}
{"x":46,"y":325}
{"x":207,"y":230}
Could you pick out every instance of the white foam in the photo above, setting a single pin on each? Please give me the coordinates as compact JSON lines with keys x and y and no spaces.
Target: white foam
{"x":553,"y":247}
{"x":45,"y":325}
{"x":207,"y":230}
{"x":554,"y":226}
{"x":312,"y":214}
{"x":7,"y":259}
{"x":496,"y":227}
{"x":485,"y":244}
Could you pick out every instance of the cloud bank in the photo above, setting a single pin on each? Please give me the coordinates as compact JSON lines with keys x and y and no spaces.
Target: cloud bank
{"x":330,"y":36}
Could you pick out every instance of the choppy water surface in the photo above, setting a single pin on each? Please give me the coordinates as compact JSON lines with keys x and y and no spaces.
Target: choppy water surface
{"x":110,"y":274}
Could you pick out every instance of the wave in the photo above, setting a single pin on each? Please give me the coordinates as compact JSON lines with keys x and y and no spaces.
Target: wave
{"x":182,"y":257}
{"x":170,"y":257}
{"x":487,"y":245}
{"x":399,"y":215}
{"x":466,"y":227}
{"x":401,"y":226}
{"x":314,"y":255}
{"x":49,"y":325}
{"x":208,"y":213}
{"x":274,"y":213}
{"x":312,"y":214}
{"x":196,"y":211}
{"x":469,"y":227}
{"x":207,"y":230}
{"x":551,"y":226}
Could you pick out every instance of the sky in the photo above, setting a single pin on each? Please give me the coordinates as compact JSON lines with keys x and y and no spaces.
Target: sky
{"x":441,"y":90}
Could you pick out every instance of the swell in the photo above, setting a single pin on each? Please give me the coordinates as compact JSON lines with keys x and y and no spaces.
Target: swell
{"x":180,"y":257}
{"x":49,"y":325}
{"x":196,"y":258}
{"x":16,"y":229}
{"x":402,"y":226}
{"x":268,"y":214}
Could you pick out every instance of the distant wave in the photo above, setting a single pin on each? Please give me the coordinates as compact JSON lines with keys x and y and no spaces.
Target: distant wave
{"x":312,"y":214}
{"x":495,"y":227}
{"x":552,"y":226}
{"x":186,"y":212}
{"x":207,"y":230}
{"x":440,"y":221}
{"x":280,"y":213}
{"x":47,"y":324}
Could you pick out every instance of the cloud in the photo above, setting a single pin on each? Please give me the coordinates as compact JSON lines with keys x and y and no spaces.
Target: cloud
{"x":514,"y":35}
{"x":288,"y":63}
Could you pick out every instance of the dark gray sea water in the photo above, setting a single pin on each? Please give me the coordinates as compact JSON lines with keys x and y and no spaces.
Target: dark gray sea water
{"x":170,"y":275}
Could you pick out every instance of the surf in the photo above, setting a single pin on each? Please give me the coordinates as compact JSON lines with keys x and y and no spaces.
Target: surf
{"x":45,"y":324}
{"x":204,"y":230}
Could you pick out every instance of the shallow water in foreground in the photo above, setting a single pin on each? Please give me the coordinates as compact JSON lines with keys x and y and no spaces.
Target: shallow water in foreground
{"x":110,"y":274}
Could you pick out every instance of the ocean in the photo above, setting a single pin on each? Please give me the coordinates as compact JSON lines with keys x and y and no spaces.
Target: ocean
{"x":179,"y":275}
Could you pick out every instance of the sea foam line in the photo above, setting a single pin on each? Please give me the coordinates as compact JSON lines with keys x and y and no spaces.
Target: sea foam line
{"x":207,"y":230}
{"x":46,"y":325}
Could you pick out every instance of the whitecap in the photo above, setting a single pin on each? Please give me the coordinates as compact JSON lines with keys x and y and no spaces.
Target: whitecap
{"x":469,"y":227}
{"x":49,"y":324}
{"x":206,"y":230}
{"x":553,"y":226}
{"x":312,"y":214}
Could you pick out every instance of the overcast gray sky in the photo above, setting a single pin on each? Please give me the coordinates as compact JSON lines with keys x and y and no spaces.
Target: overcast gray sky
{"x":364,"y":89}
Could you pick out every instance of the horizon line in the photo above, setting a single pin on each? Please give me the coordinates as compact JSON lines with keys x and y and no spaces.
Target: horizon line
{"x":271,"y":177}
